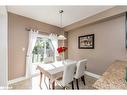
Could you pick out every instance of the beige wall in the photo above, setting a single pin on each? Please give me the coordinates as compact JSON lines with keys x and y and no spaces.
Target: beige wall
{"x":18,"y":39}
{"x":109,"y":44}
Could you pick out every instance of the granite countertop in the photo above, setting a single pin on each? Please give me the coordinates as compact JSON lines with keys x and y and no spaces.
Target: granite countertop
{"x":113,"y":77}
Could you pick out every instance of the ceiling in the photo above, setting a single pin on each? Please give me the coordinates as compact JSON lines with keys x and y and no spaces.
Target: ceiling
{"x":50,"y":14}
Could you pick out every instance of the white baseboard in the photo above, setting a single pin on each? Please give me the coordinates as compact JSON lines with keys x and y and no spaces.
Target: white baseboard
{"x":16,"y":80}
{"x":20,"y":79}
{"x":92,"y":74}
{"x":24,"y":78}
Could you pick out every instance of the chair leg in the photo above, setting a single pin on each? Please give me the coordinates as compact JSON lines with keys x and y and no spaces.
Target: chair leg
{"x":64,"y":88}
{"x":77,"y":83}
{"x":72,"y":85}
{"x":83,"y":79}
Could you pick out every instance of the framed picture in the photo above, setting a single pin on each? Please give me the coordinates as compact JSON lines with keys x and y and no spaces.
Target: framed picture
{"x":86,"y":42}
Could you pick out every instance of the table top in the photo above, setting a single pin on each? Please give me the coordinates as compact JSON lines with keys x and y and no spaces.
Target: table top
{"x":114,"y":77}
{"x":54,"y":70}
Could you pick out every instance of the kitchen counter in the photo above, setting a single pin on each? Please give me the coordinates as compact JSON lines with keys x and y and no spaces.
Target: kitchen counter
{"x":113,"y":77}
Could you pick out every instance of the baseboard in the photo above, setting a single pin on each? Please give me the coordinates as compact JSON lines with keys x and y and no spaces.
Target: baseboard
{"x":92,"y":75}
{"x":16,"y":80}
{"x":24,"y":78}
{"x":20,"y":79}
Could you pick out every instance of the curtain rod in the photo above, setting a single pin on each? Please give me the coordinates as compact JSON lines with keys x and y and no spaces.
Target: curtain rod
{"x":28,"y":29}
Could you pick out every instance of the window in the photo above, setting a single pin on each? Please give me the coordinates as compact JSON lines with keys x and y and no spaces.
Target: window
{"x":43,"y":49}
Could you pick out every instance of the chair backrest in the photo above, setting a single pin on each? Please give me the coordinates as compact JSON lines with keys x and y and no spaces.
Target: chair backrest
{"x":80,"y":68}
{"x":68,"y":73}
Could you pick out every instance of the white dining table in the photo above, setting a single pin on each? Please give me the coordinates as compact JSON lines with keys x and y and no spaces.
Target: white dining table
{"x":53,"y":71}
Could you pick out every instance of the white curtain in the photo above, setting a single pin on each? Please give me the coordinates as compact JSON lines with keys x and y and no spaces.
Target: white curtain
{"x":32,"y":40}
{"x":54,"y":41}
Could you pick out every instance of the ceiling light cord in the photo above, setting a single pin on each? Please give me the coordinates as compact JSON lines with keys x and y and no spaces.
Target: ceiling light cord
{"x":61,"y":36}
{"x":61,"y":14}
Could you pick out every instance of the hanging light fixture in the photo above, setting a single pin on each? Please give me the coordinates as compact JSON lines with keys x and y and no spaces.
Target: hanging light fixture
{"x":61,"y":37}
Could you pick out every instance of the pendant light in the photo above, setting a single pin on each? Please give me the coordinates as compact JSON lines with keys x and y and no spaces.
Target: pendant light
{"x":61,"y":37}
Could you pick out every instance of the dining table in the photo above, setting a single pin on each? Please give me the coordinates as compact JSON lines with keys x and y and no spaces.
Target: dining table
{"x":53,"y":71}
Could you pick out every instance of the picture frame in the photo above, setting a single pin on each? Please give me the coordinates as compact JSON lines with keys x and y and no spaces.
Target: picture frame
{"x":86,"y":42}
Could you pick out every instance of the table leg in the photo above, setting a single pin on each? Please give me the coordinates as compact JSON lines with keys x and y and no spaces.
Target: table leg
{"x":53,"y":85}
{"x":49,"y":84}
{"x":40,"y":80}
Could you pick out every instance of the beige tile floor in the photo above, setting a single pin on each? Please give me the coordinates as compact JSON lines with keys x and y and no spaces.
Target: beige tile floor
{"x":33,"y":84}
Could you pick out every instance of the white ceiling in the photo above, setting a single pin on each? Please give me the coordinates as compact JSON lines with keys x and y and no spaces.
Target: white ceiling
{"x":50,"y":14}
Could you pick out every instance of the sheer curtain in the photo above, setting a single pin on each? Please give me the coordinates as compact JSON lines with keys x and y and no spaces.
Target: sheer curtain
{"x":54,"y":41}
{"x":32,"y":40}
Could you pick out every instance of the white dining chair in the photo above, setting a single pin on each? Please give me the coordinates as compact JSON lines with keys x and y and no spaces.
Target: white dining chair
{"x":80,"y":69}
{"x":68,"y":75}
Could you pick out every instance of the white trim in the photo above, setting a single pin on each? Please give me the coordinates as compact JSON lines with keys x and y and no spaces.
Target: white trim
{"x":16,"y":80}
{"x":20,"y":79}
{"x":122,"y":59}
{"x":92,"y":74}
{"x":24,"y":78}
{"x":3,"y":47}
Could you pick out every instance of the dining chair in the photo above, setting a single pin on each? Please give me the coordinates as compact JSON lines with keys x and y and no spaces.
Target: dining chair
{"x":80,"y":69}
{"x":68,"y":75}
